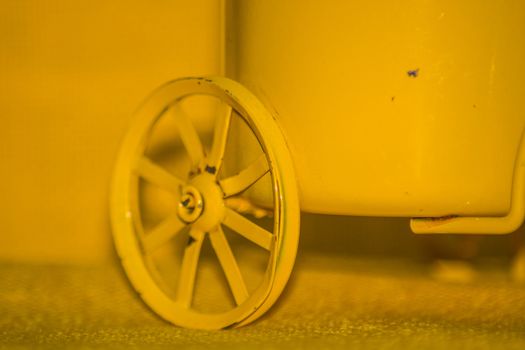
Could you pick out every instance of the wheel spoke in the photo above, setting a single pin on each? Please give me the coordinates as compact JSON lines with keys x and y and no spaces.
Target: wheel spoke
{"x":246,"y":178}
{"x":157,"y":175}
{"x":248,"y":229}
{"x":220,"y":137}
{"x":188,"y":268}
{"x":188,"y":135}
{"x":162,"y":233}
{"x":229,"y":265}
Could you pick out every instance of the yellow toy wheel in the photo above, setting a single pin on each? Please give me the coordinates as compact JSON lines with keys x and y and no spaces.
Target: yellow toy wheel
{"x":202,"y":208}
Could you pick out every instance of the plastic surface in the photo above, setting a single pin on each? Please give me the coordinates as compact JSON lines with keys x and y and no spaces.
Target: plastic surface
{"x":484,"y":225}
{"x":390,"y":108}
{"x":203,"y":208}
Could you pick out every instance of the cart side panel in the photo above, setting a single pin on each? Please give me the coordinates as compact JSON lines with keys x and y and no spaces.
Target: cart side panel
{"x":391,"y":108}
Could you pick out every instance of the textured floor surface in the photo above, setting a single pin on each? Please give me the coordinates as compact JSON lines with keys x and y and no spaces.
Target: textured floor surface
{"x":331,"y":302}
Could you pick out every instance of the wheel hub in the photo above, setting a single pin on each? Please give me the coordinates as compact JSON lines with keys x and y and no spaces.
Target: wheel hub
{"x":201,"y":203}
{"x":191,"y":204}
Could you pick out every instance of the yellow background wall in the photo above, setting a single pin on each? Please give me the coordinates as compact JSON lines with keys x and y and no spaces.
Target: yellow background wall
{"x":72,"y":72}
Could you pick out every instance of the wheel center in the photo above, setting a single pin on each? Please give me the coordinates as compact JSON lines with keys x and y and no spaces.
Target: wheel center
{"x":201,"y":203}
{"x":190,"y":205}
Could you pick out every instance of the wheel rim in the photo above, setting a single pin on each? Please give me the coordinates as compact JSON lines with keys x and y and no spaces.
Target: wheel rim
{"x":202,"y":209}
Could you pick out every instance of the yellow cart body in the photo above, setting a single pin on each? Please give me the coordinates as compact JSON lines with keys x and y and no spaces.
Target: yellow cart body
{"x":390,"y":108}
